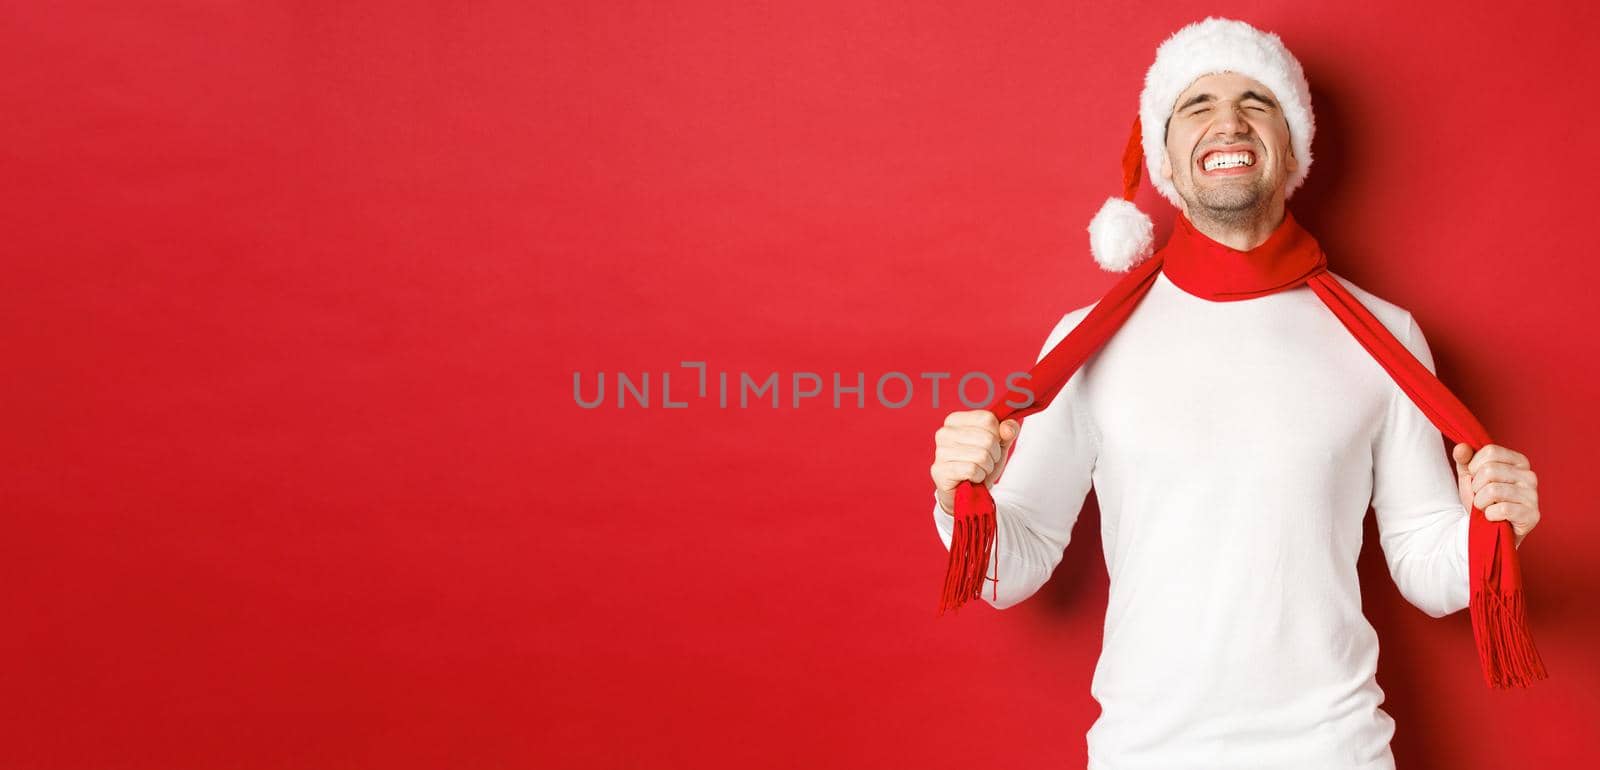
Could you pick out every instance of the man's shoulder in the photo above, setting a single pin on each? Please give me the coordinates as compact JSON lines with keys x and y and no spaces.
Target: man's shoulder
{"x":1068,"y":322}
{"x":1393,"y":316}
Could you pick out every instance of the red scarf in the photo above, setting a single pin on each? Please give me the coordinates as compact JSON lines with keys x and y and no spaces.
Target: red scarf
{"x":1211,"y":270}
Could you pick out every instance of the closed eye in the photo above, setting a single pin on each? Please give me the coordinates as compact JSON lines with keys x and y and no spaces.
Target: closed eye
{"x":1203,"y":110}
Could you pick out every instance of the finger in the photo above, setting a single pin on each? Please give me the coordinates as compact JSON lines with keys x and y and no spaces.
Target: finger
{"x":1501,"y":492}
{"x":967,"y":454}
{"x":1494,"y":453}
{"x":1462,"y":454}
{"x":960,"y":453}
{"x":959,"y":436}
{"x":951,"y":473}
{"x":1510,"y":474}
{"x":1009,"y":430}
{"x":1516,"y":513}
{"x":975,"y":473}
{"x":978,"y":418}
{"x":977,"y":438}
{"x":972,"y":436}
{"x":996,"y":452}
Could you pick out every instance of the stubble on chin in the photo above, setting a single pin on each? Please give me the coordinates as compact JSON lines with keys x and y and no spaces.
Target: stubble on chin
{"x":1229,"y":205}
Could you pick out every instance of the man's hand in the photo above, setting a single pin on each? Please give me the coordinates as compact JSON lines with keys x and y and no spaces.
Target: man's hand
{"x":972,"y":446}
{"x":1500,"y":483}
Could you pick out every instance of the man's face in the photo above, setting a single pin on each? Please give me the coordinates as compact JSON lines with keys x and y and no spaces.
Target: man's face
{"x":1230,"y":118}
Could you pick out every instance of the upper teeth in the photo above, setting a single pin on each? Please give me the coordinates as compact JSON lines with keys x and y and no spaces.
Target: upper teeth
{"x":1218,"y":160}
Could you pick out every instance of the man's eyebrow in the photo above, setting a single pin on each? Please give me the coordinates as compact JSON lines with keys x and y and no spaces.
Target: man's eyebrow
{"x":1202,"y":98}
{"x":1258,"y":97}
{"x":1196,"y":99}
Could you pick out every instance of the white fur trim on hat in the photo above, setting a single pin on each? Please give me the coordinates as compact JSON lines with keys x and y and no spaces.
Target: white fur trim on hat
{"x":1120,"y":235}
{"x":1223,"y":45}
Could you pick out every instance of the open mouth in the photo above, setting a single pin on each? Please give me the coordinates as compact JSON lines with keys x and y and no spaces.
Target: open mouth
{"x":1227,"y":162}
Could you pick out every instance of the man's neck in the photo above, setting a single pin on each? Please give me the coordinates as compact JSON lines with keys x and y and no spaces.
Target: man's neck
{"x":1244,"y":235}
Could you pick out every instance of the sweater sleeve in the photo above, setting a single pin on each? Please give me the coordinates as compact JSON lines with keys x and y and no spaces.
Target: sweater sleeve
{"x":1041,"y":491}
{"x":1421,"y":523}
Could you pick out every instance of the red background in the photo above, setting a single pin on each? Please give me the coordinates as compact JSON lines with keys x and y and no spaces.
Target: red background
{"x":293,"y":296}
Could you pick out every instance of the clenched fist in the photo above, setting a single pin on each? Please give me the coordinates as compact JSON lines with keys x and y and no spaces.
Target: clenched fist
{"x":972,"y":446}
{"x":1501,"y":483}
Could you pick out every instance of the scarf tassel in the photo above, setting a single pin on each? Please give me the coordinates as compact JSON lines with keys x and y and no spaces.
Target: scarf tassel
{"x":1505,"y":648}
{"x":1499,"y":612}
{"x":970,"y":546}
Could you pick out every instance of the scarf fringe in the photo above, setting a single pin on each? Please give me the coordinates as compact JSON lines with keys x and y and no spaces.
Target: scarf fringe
{"x":970,"y":546}
{"x":1505,"y":648}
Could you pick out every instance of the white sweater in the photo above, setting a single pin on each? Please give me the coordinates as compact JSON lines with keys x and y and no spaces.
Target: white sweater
{"x":1234,"y":448}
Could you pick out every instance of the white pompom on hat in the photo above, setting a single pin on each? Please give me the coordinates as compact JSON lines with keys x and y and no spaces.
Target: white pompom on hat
{"x":1120,"y":235}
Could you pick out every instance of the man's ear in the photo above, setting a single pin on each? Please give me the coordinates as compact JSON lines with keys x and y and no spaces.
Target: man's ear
{"x":1166,"y":168}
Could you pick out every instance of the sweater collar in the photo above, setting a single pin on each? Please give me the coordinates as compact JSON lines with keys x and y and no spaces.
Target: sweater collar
{"x":1215,"y":271}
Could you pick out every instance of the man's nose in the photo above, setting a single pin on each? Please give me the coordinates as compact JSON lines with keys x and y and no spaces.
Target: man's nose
{"x":1230,"y":120}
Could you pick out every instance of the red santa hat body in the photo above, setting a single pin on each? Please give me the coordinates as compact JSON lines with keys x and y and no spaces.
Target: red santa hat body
{"x":1120,"y":235}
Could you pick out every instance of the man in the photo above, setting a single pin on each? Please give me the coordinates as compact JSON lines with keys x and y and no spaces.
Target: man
{"x":1235,"y":447}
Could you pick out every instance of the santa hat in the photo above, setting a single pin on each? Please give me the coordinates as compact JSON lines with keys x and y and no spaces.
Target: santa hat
{"x":1120,"y":235}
